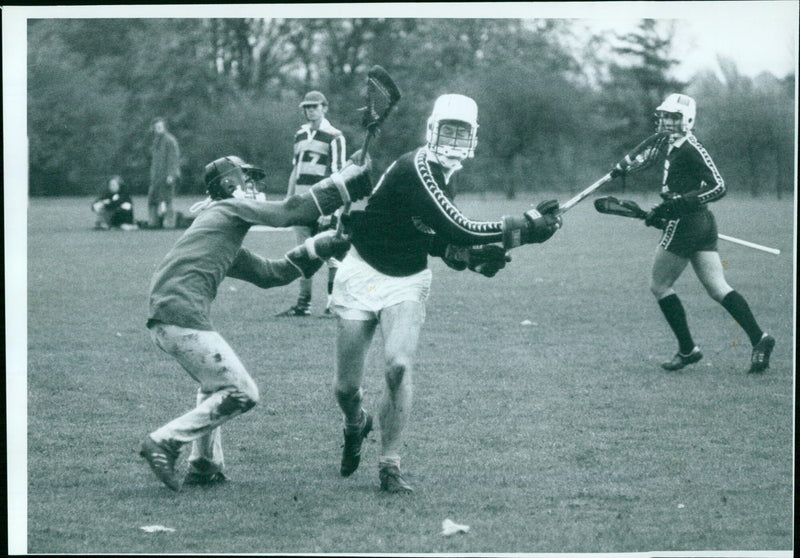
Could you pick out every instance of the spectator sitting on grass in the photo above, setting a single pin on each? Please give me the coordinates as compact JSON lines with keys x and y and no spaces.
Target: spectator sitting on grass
{"x":114,"y":207}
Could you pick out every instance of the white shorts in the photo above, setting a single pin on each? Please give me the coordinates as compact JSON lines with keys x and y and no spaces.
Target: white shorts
{"x":360,"y":292}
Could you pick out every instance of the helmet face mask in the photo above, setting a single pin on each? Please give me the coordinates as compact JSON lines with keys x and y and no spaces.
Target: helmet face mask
{"x":452,"y":132}
{"x":671,"y":122}
{"x":223,"y":177}
{"x":676,"y":114}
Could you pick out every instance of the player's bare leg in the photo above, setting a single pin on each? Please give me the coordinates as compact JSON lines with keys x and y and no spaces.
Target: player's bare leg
{"x":667,"y":267}
{"x":708,"y":267}
{"x":401,"y":325}
{"x":352,"y":344}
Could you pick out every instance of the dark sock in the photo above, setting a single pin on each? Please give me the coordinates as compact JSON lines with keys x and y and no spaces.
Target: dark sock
{"x":676,"y":318}
{"x":737,"y":307}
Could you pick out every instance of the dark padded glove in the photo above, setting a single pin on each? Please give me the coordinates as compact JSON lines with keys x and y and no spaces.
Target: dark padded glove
{"x":308,"y":257}
{"x":548,"y":207}
{"x":653,"y":220}
{"x":488,"y":259}
{"x":620,"y":169}
{"x":533,"y":227}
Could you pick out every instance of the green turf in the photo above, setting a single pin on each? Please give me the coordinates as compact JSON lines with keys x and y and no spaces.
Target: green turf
{"x":563,"y":435}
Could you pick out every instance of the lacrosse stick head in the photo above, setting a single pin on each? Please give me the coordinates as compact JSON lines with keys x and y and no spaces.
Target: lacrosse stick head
{"x":624,"y":208}
{"x":381,"y":96}
{"x":645,"y":154}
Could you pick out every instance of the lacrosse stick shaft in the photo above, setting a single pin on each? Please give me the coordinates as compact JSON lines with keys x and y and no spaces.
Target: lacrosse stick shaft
{"x":767,"y":249}
{"x":584,"y":194}
{"x":641,"y":214}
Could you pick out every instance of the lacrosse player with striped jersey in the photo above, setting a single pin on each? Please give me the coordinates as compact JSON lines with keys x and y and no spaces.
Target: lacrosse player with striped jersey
{"x":385,"y":280}
{"x":319,"y":151}
{"x":690,"y":182}
{"x":185,"y":284}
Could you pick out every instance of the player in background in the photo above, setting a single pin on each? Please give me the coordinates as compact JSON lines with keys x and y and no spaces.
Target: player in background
{"x":186,"y":281}
{"x":690,"y":182}
{"x":319,"y":151}
{"x":384,"y":279}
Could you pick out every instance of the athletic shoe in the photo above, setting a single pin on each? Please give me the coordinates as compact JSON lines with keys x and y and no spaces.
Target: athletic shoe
{"x":759,"y":359}
{"x":392,"y":480}
{"x":294,"y":311}
{"x":161,"y":459}
{"x":204,"y":479}
{"x":351,"y":454}
{"x":679,"y":361}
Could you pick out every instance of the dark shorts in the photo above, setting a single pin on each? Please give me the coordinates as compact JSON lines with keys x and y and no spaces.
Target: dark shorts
{"x":694,"y":232}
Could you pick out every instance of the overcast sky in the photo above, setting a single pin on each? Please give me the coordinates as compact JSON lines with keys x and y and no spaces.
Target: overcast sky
{"x":758,"y":36}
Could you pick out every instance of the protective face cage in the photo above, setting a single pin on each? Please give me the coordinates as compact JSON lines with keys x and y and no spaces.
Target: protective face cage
{"x":671,"y":122}
{"x":453,"y":139}
{"x":452,"y":131}
{"x":231,"y":177}
{"x":676,"y":114}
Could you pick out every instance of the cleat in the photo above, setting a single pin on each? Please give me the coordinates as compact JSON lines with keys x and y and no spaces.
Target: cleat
{"x":680,"y":361}
{"x":161,"y":459}
{"x":759,"y":358}
{"x":193,"y":478}
{"x":392,"y":480}
{"x":295,"y":310}
{"x":351,"y":454}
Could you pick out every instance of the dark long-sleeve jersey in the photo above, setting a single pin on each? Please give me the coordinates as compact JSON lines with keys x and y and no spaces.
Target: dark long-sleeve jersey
{"x":690,"y":172}
{"x":411,"y":215}
{"x":186,"y":281}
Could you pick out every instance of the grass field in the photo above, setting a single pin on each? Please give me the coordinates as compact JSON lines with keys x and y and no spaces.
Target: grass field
{"x":560,"y":436}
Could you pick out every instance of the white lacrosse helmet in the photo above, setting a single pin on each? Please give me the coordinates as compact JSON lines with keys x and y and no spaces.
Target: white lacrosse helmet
{"x":459,"y":138}
{"x":676,"y":103}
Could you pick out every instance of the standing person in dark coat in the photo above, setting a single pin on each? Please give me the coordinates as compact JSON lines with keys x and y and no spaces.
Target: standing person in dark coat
{"x":164,"y":174}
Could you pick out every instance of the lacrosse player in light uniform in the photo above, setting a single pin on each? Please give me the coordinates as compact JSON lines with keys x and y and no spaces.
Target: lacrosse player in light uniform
{"x":185,"y":283}
{"x":384,"y":279}
{"x":690,"y":182}
{"x":319,"y":151}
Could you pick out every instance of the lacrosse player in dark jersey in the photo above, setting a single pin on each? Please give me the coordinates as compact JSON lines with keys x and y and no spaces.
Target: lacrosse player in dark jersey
{"x":185,"y":284}
{"x":690,"y":182}
{"x":384,"y":279}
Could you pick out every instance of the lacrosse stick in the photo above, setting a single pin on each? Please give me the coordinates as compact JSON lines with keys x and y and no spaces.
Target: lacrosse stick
{"x":639,"y":158}
{"x":381,"y":97}
{"x":629,"y":208}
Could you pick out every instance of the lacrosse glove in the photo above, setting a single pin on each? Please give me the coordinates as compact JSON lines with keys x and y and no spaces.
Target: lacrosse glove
{"x":535,"y":226}
{"x":486,"y":260}
{"x":350,"y":184}
{"x":653,"y":220}
{"x":620,"y":169}
{"x":308,"y":257}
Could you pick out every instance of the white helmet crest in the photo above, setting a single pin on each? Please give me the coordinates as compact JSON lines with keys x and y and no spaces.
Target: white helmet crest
{"x":453,"y":148}
{"x":680,"y":104}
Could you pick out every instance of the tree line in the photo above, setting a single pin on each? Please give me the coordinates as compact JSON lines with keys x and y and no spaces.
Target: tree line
{"x":555,"y":112}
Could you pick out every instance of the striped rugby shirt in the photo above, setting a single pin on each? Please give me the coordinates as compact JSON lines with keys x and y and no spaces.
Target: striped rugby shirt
{"x":317,"y":154}
{"x":690,"y":172}
{"x":410,"y":215}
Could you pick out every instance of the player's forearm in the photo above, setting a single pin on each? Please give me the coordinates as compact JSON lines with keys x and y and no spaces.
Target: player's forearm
{"x":262,"y":272}
{"x":456,"y":229}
